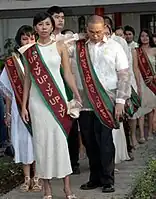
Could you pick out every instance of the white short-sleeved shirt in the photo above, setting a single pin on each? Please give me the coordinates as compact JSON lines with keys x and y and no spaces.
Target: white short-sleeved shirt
{"x":108,"y":58}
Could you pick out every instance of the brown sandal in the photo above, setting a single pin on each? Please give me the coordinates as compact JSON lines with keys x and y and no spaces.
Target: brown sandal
{"x":36,"y":184}
{"x":26,"y":185}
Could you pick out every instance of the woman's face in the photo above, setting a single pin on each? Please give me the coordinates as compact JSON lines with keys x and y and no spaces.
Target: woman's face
{"x":44,"y":28}
{"x":144,"y":38}
{"x":25,"y":39}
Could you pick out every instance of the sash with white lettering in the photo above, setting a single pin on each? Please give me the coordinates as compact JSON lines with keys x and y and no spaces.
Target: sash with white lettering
{"x":97,"y":96}
{"x":16,"y":78}
{"x":146,"y":69}
{"x":47,"y":87}
{"x":133,"y":103}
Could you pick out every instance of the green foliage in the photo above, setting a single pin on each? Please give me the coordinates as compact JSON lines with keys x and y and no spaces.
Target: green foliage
{"x":146,"y":182}
{"x":11,"y":175}
{"x":9,"y":46}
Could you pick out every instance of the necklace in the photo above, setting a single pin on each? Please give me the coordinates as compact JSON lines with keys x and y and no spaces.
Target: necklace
{"x":45,"y":44}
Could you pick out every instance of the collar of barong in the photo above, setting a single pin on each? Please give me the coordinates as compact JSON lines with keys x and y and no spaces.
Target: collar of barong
{"x":104,"y":40}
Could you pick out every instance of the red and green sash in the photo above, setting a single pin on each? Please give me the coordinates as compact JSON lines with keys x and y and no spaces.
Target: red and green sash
{"x":16,"y":78}
{"x":99,"y":100}
{"x":47,"y":87}
{"x":146,"y":69}
{"x":133,"y":103}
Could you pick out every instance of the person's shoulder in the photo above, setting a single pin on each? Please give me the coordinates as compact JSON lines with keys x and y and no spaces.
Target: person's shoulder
{"x":60,"y":44}
{"x":114,"y":42}
{"x":120,"y":40}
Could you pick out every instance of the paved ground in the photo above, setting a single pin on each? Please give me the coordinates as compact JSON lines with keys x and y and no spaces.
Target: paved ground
{"x":124,"y":179}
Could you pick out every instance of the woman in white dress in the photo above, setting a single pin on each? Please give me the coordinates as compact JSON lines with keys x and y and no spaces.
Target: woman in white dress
{"x":135,"y":82}
{"x":20,"y":136}
{"x":50,"y":142}
{"x":145,"y":56}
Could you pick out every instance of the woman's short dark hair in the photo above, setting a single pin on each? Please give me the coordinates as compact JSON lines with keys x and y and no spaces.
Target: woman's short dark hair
{"x":42,"y":16}
{"x":23,"y":30}
{"x":149,"y":33}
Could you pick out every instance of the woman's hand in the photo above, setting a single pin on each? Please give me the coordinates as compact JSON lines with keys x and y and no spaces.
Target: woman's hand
{"x":7,"y":120}
{"x":149,"y":79}
{"x":78,"y":98}
{"x":139,"y":90}
{"x":25,"y":115}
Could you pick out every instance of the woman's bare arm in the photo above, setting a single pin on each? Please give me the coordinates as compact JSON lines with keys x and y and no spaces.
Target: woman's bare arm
{"x":67,"y":70}
{"x":136,"y":69}
{"x":26,"y":90}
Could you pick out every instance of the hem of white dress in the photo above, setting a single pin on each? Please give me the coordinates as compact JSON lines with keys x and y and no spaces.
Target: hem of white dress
{"x":17,"y":162}
{"x":54,"y":176}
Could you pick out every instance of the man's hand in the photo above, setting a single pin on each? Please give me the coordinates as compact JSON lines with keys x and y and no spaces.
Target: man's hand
{"x":119,"y":111}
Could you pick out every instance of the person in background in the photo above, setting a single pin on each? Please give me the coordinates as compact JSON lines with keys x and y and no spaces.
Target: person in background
{"x":145,"y":60}
{"x":123,"y":43}
{"x":119,"y":139}
{"x":129,"y":33}
{"x":73,"y":139}
{"x":58,"y":34}
{"x":20,"y":136}
{"x":3,"y":129}
{"x":154,"y":38}
{"x":119,"y":31}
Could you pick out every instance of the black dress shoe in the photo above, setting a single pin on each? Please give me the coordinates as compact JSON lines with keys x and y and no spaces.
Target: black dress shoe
{"x":90,"y":185}
{"x":108,"y":189}
{"x":76,"y":171}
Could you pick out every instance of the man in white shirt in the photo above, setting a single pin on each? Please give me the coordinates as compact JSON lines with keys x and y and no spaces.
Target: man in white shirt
{"x":127,"y":50}
{"x":129,"y":36}
{"x":73,"y":140}
{"x":110,"y":64}
{"x":58,"y":15}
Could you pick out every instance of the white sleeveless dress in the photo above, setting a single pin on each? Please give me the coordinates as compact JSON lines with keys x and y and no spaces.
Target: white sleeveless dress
{"x":20,"y":137}
{"x":50,"y":144}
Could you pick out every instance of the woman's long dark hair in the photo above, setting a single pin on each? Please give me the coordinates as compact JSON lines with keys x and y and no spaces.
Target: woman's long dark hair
{"x":149,"y":33}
